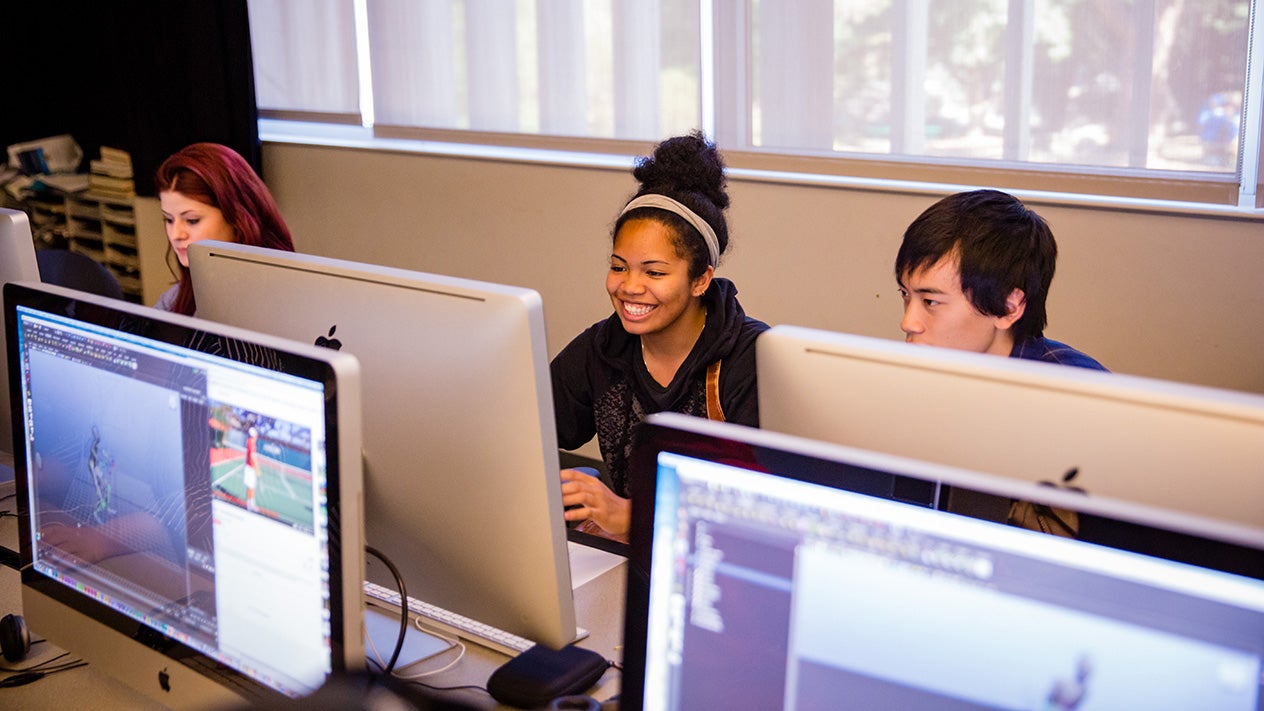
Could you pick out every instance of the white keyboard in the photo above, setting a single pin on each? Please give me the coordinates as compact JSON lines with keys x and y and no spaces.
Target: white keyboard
{"x":452,"y":623}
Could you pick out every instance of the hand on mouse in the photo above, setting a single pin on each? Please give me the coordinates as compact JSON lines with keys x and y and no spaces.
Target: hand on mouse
{"x":594,"y":501}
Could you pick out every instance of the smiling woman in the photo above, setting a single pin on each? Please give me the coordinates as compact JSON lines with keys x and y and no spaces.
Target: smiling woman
{"x":209,"y":192}
{"x":678,"y":339}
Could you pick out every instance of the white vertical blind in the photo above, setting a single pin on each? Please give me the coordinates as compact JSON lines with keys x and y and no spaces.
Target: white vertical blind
{"x":1142,"y":65}
{"x":1252,"y":177}
{"x":795,"y":71}
{"x":563,"y":93}
{"x":1019,"y":56}
{"x":411,"y":45}
{"x":638,"y":52}
{"x":732,"y":73}
{"x":908,"y":76}
{"x":491,"y":52}
{"x":304,"y":59}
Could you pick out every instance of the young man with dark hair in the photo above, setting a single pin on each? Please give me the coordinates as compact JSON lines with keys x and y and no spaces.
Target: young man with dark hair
{"x":974,"y":270}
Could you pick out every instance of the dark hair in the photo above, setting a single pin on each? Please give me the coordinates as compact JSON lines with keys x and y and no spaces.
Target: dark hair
{"x":218,"y":176}
{"x":1000,"y":245}
{"x":689,"y":170}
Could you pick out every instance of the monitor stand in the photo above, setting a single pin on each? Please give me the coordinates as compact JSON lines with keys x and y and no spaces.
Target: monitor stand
{"x":381,"y":631}
{"x":588,"y":563}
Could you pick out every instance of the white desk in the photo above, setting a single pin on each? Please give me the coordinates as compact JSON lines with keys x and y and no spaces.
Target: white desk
{"x":599,"y":598}
{"x":599,"y":590}
{"x":8,"y":503}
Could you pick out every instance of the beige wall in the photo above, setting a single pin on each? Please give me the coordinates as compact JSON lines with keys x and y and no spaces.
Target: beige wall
{"x":1170,"y":296}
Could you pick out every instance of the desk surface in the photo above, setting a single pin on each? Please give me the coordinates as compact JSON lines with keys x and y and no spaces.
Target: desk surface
{"x":8,"y":505}
{"x":599,"y":588}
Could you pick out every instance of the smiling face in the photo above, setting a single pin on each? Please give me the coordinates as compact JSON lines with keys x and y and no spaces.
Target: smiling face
{"x":938,"y":313}
{"x":189,"y":221}
{"x":649,"y":282}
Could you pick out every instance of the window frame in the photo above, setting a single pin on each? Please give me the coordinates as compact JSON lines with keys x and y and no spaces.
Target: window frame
{"x":729,"y":76}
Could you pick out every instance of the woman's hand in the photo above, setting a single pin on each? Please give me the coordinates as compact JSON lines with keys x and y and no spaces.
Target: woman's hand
{"x":595,"y":501}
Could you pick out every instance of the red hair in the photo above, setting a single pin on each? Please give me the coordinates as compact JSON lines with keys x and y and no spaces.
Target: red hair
{"x":218,"y":176}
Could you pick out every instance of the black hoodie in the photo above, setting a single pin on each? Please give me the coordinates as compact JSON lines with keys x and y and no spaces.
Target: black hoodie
{"x":601,"y":386}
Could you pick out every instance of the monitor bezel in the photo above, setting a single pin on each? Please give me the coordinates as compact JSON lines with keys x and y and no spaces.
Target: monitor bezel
{"x":528,"y":592}
{"x":1162,"y":443}
{"x":53,"y":604}
{"x":17,"y":263}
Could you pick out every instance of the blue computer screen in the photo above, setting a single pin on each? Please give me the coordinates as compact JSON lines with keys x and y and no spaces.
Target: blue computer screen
{"x":768,"y":589}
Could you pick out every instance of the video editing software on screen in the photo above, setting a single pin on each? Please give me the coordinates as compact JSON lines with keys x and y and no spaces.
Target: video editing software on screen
{"x":182,"y":490}
{"x":766,"y":592}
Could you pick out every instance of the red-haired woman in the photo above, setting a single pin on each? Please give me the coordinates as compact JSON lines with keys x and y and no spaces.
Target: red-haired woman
{"x":208,"y":191}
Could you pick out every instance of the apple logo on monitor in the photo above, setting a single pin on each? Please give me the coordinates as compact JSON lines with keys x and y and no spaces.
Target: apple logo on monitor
{"x":328,"y":340}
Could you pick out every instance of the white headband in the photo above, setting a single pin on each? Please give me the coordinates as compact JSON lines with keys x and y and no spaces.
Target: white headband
{"x":663,"y":202}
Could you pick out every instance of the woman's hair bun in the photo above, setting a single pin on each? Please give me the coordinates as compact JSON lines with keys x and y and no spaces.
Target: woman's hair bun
{"x":684,"y":164}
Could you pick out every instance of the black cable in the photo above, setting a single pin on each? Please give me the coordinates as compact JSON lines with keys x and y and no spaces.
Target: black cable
{"x":27,"y":677}
{"x":35,"y":672}
{"x":46,"y":662}
{"x":21,"y":679}
{"x":432,"y":687}
{"x":403,"y":607}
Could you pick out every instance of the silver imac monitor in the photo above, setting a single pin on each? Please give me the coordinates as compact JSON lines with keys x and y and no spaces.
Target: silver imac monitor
{"x":462,"y":490}
{"x":190,"y":499}
{"x":1173,"y":445}
{"x":17,"y":263}
{"x":759,"y":580}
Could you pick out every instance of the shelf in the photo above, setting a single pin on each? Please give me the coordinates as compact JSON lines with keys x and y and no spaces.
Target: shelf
{"x":121,"y":257}
{"x":103,"y":227}
{"x":131,"y":284}
{"x":87,"y":247}
{"x":108,"y":199}
{"x":120,"y":234}
{"x":82,"y":209}
{"x":118,"y":214}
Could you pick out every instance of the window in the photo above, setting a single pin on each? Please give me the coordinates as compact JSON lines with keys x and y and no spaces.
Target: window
{"x":1144,"y":98}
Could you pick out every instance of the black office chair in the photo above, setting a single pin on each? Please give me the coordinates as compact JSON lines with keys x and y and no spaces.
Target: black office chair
{"x":77,"y":271}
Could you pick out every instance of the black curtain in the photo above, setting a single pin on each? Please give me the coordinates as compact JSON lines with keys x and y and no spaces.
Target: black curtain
{"x":146,"y":77}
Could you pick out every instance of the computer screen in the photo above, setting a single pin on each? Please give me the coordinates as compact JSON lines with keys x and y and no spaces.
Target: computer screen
{"x":462,"y":490}
{"x":759,"y":583}
{"x":17,"y":263}
{"x":190,"y":494}
{"x":1173,"y":445}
